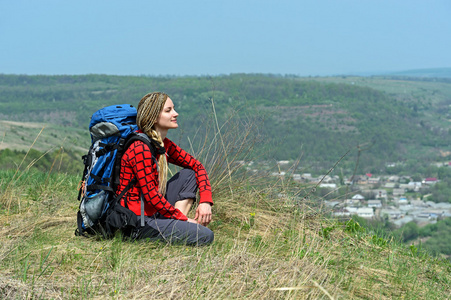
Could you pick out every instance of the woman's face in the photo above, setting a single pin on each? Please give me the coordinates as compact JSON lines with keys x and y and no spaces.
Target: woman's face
{"x":168,"y":117}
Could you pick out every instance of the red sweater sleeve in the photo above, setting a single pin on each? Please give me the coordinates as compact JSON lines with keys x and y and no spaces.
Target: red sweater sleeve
{"x":180,"y":157}
{"x":145,"y":169}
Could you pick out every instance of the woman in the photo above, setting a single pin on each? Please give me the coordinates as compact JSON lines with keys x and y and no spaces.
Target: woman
{"x":166,"y":204}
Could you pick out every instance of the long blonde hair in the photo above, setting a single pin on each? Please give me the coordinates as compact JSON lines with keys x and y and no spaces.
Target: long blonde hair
{"x":149,"y":109}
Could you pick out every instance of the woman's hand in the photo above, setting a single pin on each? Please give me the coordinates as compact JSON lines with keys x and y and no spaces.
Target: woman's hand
{"x":203,"y":214}
{"x":192,"y":221}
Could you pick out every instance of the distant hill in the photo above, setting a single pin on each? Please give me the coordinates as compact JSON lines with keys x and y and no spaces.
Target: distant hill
{"x":426,"y":73}
{"x":387,"y":118}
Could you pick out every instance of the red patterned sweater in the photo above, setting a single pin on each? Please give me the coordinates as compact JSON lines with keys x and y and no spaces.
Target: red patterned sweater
{"x":137,"y":161}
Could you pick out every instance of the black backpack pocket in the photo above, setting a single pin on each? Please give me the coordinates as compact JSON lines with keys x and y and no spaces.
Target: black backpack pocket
{"x":120,"y":218}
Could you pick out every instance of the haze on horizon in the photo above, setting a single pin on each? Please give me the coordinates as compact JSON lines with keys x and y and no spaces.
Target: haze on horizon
{"x":198,"y":37}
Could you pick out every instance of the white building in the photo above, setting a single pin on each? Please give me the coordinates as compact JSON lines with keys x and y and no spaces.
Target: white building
{"x":392,"y":213}
{"x":352,"y":202}
{"x":398,"y":192}
{"x":365,"y":212}
{"x":403,"y":201}
{"x":358,"y":197}
{"x":380,"y":193}
{"x":375,"y":203}
{"x":328,"y":185}
{"x":297,"y":177}
{"x":342,"y":213}
{"x":281,"y":174}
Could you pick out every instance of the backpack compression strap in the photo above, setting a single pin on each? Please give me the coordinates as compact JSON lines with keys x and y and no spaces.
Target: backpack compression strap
{"x":123,"y":145}
{"x":86,"y":162}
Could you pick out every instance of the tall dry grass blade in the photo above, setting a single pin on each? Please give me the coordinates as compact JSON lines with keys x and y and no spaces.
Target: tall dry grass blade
{"x":31,"y":164}
{"x":360,"y":148}
{"x":294,"y":288}
{"x":28,"y":151}
{"x":323,"y":290}
{"x":221,"y":146}
{"x":61,"y":159}
{"x":3,"y":138}
{"x":53,"y":164}
{"x":222,"y":143}
{"x":61,"y":151}
{"x":14,"y":179}
{"x":328,"y":172}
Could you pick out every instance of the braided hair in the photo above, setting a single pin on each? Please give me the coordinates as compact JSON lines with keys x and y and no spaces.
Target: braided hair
{"x":149,"y":109}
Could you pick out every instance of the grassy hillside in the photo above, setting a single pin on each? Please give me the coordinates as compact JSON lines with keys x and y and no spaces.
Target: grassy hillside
{"x":18,"y":135}
{"x":262,"y":250}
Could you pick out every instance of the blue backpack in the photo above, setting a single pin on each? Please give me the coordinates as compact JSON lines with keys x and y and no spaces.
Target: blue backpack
{"x":112,"y":131}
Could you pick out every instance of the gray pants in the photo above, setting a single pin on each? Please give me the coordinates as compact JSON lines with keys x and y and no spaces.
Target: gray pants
{"x":181,"y":186}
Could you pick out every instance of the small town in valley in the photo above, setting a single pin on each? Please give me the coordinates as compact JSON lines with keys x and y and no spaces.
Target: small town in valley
{"x":396,"y":199}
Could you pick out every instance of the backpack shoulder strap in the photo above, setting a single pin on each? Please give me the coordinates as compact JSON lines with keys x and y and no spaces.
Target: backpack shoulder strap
{"x":153,"y":145}
{"x":155,"y":149}
{"x":124,"y":144}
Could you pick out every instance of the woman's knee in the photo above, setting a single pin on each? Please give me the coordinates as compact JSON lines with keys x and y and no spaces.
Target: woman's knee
{"x":207,"y":237}
{"x":211,"y":237}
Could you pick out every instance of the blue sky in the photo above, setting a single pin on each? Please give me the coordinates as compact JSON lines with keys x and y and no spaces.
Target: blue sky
{"x":195,"y":37}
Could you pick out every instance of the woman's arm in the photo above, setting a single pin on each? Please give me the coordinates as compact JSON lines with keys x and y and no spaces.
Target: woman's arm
{"x":180,"y":157}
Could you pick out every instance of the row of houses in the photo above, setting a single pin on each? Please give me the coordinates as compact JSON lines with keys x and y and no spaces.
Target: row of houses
{"x":422,"y":212}
{"x":380,"y":187}
{"x":389,"y":181}
{"x":397,"y":183}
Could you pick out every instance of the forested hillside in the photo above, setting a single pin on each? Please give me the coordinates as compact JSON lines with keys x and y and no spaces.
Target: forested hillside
{"x":319,"y":119}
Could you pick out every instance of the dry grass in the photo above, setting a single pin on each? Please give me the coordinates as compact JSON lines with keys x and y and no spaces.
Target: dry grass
{"x":260,"y":252}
